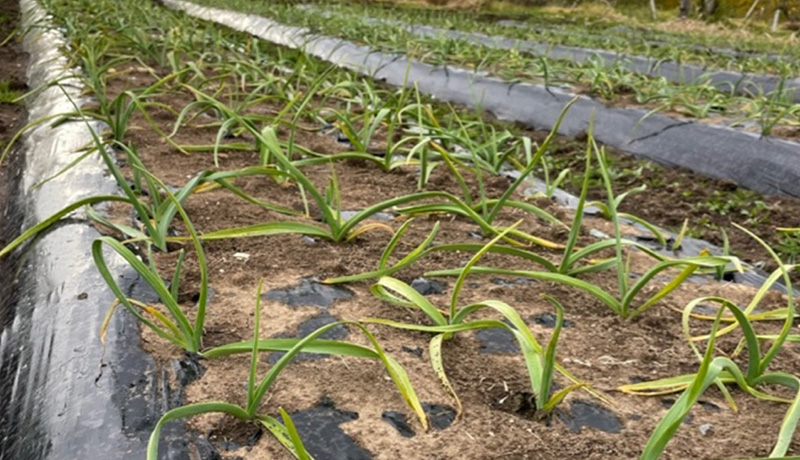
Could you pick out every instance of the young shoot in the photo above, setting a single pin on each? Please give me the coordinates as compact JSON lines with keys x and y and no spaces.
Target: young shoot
{"x":623,"y":302}
{"x":257,"y":389}
{"x":540,"y":361}
{"x":722,"y":370}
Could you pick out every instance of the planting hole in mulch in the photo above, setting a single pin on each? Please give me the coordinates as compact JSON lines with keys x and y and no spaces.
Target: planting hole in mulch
{"x":233,"y":434}
{"x":440,"y":416}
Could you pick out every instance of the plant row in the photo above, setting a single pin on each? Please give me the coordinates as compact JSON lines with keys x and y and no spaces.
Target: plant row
{"x":612,"y":82}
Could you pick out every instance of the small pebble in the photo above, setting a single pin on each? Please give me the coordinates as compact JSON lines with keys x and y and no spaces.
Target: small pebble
{"x":598,"y":234}
{"x":427,"y":286}
{"x":476,"y":235}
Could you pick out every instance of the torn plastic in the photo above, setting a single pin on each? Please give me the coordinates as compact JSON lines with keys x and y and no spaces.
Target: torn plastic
{"x":767,"y":165}
{"x":63,"y":394}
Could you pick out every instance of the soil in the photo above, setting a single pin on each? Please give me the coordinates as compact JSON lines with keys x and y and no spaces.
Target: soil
{"x":12,"y":118}
{"x":354,"y":395}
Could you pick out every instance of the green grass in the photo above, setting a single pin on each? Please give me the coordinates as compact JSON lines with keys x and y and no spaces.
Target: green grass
{"x":7,"y":94}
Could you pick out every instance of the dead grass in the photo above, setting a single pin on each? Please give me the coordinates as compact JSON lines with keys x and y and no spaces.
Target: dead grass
{"x":730,"y":29}
{"x":450,"y":4}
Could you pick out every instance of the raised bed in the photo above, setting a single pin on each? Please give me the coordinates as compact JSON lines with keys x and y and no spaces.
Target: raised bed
{"x":676,"y":72}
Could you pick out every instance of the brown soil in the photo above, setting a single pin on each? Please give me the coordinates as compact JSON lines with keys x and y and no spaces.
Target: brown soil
{"x":12,"y":116}
{"x":599,"y":347}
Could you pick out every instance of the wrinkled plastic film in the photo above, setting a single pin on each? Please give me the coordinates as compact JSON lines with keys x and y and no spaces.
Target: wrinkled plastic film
{"x":62,"y":394}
